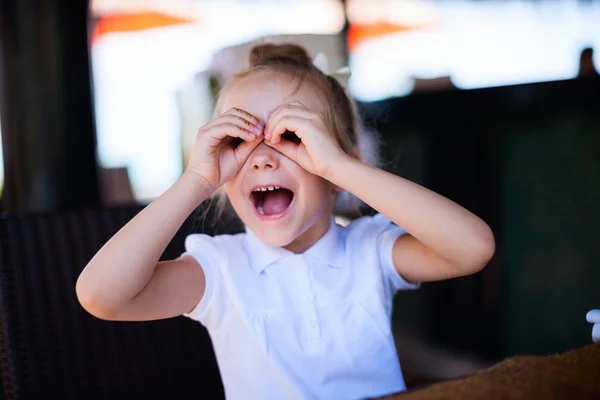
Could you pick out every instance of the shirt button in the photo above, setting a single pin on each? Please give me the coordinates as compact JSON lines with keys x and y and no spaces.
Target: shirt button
{"x":312,"y":322}
{"x":309,"y":297}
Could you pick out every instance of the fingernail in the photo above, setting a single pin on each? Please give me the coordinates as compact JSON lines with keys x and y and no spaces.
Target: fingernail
{"x":259,"y":128}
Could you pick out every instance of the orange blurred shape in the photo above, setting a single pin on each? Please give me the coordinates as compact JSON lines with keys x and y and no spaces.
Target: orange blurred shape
{"x":127,"y":22}
{"x":358,"y":33}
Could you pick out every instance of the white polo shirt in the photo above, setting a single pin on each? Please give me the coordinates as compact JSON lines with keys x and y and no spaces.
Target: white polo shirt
{"x":302,"y":326}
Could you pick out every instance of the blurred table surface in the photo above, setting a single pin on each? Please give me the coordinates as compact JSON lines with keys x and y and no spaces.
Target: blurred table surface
{"x":572,"y":375}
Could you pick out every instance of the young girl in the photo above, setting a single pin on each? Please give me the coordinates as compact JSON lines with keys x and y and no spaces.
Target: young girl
{"x":297,"y":307}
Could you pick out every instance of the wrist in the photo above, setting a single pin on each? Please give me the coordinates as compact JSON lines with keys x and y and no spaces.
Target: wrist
{"x":196,"y":185}
{"x":339,"y":168}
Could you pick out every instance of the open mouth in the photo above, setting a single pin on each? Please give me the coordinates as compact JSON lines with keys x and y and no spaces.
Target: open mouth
{"x":271,"y":202}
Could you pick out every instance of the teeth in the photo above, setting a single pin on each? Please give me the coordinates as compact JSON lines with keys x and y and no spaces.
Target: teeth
{"x":270,"y":188}
{"x":260,"y":210}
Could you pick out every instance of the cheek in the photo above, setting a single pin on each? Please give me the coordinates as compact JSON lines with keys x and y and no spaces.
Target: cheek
{"x":316,"y":186}
{"x":232,"y":188}
{"x":320,"y":188}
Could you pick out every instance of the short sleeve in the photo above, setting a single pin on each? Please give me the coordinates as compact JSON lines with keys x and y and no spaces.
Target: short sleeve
{"x":387,"y":233}
{"x":212,"y":307}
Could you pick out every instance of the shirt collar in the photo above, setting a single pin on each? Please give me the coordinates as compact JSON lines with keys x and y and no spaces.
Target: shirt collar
{"x":329,"y":249}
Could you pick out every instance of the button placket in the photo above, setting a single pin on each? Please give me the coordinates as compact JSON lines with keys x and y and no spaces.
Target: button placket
{"x":309,"y":297}
{"x":312,"y":320}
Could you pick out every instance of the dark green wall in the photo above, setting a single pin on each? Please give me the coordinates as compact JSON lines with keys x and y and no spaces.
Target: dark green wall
{"x":527,"y":160}
{"x":551,"y":217}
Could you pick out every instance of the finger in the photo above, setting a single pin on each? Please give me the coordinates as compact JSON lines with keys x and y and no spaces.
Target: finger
{"x":244,"y":114}
{"x":291,"y":105}
{"x":288,"y":123}
{"x":239,"y":120}
{"x":287,"y":148}
{"x":226,"y":129}
{"x":292,"y":109}
{"x":296,"y":103}
{"x":242,"y":152}
{"x":257,"y":130}
{"x":238,"y":117}
{"x":252,"y":123}
{"x":284,"y":110}
{"x":221,"y":128}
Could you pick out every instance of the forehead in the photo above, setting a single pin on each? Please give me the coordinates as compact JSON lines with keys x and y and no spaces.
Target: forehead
{"x":261,"y":92}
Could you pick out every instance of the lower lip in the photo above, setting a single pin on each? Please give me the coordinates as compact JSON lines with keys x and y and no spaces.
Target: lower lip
{"x":273,"y":217}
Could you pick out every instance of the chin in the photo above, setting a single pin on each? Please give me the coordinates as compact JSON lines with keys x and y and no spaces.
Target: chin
{"x":274,"y":237}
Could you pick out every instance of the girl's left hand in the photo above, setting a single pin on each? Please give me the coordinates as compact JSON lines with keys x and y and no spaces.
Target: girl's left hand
{"x":302,"y":135}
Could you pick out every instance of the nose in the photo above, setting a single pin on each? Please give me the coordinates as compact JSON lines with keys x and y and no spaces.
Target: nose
{"x":264,"y":158}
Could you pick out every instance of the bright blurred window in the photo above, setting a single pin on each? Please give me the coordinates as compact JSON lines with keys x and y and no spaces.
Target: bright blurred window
{"x":141,"y":61}
{"x":475,"y":43}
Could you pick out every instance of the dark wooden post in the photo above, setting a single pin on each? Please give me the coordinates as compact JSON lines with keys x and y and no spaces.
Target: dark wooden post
{"x":46,"y":106}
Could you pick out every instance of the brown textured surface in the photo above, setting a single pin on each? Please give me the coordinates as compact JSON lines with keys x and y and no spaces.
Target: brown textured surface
{"x":571,"y":375}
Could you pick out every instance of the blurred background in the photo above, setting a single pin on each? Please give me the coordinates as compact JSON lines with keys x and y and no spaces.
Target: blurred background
{"x":494,"y":104}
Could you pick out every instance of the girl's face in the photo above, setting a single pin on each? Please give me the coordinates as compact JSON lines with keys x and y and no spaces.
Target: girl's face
{"x":282,"y":203}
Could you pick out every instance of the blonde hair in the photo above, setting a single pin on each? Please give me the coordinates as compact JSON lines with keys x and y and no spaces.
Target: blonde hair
{"x":341,"y":113}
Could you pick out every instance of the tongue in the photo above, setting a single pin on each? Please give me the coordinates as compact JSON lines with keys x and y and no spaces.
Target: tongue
{"x":276,"y":202}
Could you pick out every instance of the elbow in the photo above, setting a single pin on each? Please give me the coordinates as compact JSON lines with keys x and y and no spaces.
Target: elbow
{"x":482,"y":250}
{"x":92,"y":302}
{"x":476,"y":253}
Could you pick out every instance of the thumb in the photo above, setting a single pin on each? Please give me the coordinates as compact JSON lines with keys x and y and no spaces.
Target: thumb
{"x":285,"y":147}
{"x":243,"y":151}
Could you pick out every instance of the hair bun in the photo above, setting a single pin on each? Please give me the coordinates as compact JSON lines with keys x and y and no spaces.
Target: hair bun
{"x":265,"y":53}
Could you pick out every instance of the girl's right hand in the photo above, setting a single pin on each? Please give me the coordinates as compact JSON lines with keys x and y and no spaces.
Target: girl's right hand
{"x":223,"y":145}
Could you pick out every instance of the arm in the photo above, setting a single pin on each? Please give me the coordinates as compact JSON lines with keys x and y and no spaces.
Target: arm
{"x":444,"y":240}
{"x":124,"y":280}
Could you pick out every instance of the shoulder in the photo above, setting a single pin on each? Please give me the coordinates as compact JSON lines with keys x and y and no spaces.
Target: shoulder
{"x":215,"y":247}
{"x":370,"y":227}
{"x":196,"y":240}
{"x":373,"y":239}
{"x":372,"y":234}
